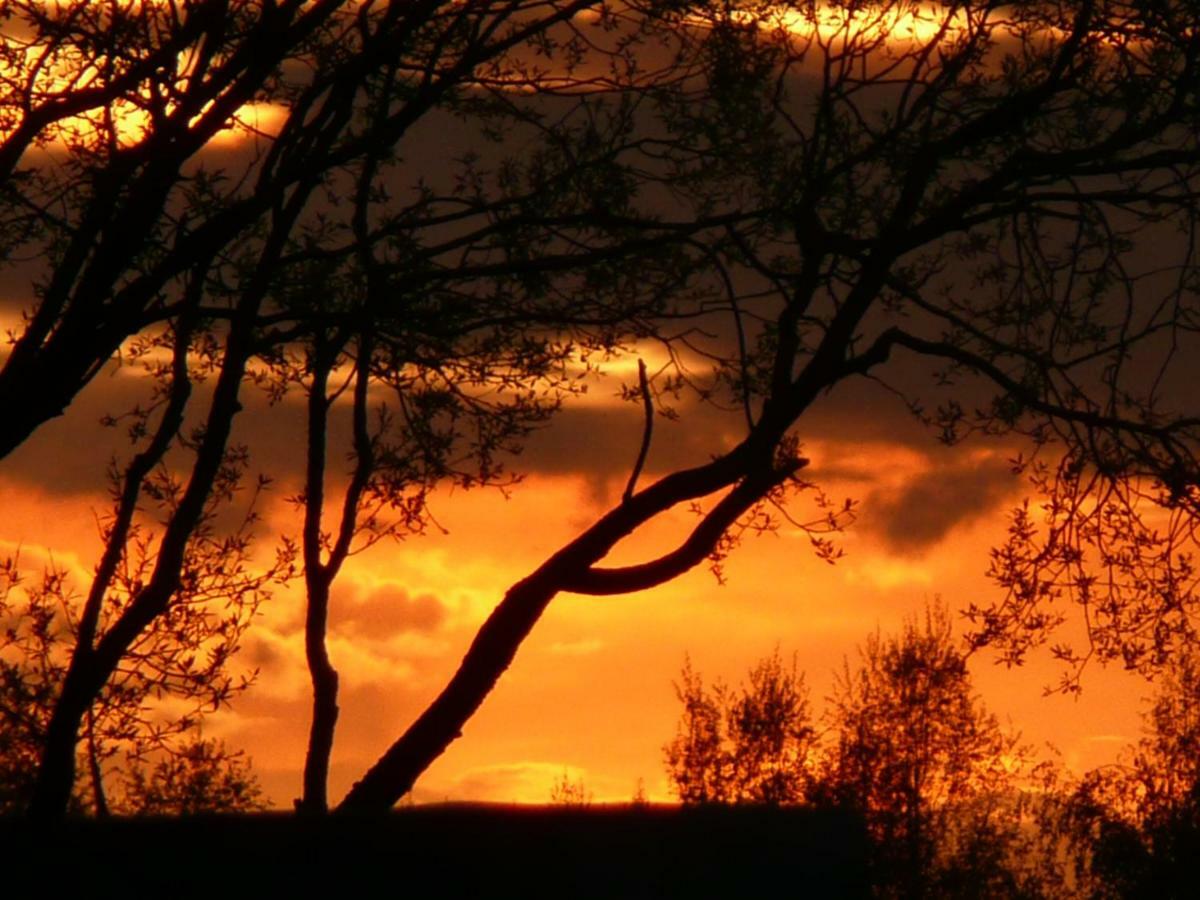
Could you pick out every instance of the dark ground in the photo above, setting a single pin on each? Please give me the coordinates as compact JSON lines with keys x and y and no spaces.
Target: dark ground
{"x":445,"y":851}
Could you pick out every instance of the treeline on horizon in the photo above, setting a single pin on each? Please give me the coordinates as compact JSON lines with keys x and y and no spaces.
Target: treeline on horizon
{"x":954,"y":804}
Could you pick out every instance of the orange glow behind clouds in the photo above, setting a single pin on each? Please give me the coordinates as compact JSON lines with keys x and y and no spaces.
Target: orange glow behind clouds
{"x":900,"y":23}
{"x":45,"y":72}
{"x":590,"y":694}
{"x":127,"y":120}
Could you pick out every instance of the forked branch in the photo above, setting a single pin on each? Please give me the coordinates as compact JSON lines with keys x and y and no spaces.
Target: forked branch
{"x":570,"y":569}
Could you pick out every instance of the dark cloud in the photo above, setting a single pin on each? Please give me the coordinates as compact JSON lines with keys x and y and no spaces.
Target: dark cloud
{"x":71,"y":454}
{"x":386,"y":611}
{"x":929,"y":506}
{"x":259,"y":653}
{"x":602,"y":442}
{"x":598,"y":441}
{"x":862,"y":411}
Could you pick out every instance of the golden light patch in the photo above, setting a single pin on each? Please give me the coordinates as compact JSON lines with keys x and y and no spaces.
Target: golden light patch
{"x":46,"y":530}
{"x":525,"y":781}
{"x":861,"y":24}
{"x":37,"y":71}
{"x":890,"y":573}
{"x":582,"y":647}
{"x":917,"y":23}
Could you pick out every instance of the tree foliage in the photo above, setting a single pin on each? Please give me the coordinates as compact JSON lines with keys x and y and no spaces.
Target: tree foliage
{"x":202,"y":776}
{"x":953,"y":804}
{"x":962,"y":193}
{"x":753,"y":744}
{"x":179,"y":669}
{"x":929,"y":768}
{"x":220,"y":183}
{"x":1139,"y":819}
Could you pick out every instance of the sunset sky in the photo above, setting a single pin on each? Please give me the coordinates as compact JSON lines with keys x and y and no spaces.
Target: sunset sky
{"x":591,"y":691}
{"x":590,"y":694}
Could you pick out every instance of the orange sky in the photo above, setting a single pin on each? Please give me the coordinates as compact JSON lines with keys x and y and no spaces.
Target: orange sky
{"x":591,"y":690}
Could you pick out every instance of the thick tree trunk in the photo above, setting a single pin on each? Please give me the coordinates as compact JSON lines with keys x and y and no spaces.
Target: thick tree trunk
{"x":23,"y":414}
{"x":56,"y":774}
{"x":37,"y":385}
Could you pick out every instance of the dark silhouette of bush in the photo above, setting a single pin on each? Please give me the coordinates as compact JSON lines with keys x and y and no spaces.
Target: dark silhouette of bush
{"x":202,"y":776}
{"x":752,"y":744}
{"x":914,"y":750}
{"x":905,"y":745}
{"x":1139,"y":819}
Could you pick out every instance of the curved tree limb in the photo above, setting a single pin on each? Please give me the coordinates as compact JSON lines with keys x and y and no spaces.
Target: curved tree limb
{"x":570,"y":569}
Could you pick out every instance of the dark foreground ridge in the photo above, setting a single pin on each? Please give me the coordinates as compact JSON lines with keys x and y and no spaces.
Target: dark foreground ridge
{"x":450,"y":851}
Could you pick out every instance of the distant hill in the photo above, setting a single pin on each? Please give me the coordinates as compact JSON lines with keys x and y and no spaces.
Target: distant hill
{"x":452,"y":850}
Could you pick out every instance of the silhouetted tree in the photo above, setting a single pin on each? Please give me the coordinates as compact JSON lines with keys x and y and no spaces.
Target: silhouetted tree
{"x":183,"y":660}
{"x":862,"y":187}
{"x":410,"y":442}
{"x":750,"y":745}
{"x":1139,"y":819}
{"x":970,"y":190}
{"x":926,"y":764}
{"x":139,"y":232}
{"x":113,"y":184}
{"x":954,"y":807}
{"x":572,"y":794}
{"x":201,"y":776}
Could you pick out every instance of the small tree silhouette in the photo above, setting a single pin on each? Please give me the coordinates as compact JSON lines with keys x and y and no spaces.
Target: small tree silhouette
{"x":203,"y":776}
{"x":910,"y":748}
{"x":1140,"y":818}
{"x":570,"y":793}
{"x":918,"y":755}
{"x":750,"y":745}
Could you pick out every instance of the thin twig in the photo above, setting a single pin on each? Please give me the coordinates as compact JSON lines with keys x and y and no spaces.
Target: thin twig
{"x":647,"y":431}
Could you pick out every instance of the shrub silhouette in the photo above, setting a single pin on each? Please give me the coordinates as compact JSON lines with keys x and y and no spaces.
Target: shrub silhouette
{"x":930,"y":769}
{"x":749,"y":745}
